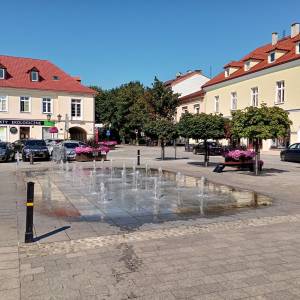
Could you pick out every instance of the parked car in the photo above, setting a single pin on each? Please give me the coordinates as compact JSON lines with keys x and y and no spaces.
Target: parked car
{"x":6,"y":152}
{"x":70,"y":148}
{"x":37,"y":148}
{"x":50,"y":143}
{"x":292,"y":153}
{"x":214,"y":148}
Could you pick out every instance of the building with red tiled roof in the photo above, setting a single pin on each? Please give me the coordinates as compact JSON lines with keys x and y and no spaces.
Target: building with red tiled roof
{"x":35,"y":95}
{"x":269,"y":74}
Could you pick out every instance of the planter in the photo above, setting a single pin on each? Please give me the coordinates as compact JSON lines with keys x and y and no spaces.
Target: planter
{"x":89,"y":157}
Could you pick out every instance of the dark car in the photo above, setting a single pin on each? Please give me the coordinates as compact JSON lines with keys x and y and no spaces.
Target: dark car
{"x":213,"y":148}
{"x":292,"y":153}
{"x":6,"y":152}
{"x":37,"y":148}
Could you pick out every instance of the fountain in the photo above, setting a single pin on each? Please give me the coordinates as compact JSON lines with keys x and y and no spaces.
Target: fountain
{"x":141,"y":194}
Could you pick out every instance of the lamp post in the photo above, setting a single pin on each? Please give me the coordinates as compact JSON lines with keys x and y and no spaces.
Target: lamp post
{"x":58,"y":119}
{"x":136,"y":137}
{"x":48,"y":117}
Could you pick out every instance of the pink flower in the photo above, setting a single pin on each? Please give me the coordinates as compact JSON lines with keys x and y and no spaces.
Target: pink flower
{"x":87,"y":150}
{"x":240,"y":154}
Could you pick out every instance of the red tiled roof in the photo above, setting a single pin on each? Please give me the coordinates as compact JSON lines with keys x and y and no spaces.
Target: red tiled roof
{"x":181,"y":78}
{"x":192,"y":96}
{"x":287,"y":44}
{"x":234,"y":64}
{"x":52,"y":78}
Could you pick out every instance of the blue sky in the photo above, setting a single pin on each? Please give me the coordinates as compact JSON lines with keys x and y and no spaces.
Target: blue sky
{"x":110,"y":42}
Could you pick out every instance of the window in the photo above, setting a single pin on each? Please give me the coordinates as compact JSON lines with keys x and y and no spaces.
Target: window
{"x":76,"y":109}
{"x":233,"y":101}
{"x":279,"y":92}
{"x":47,"y":105}
{"x":3,"y":103}
{"x":247,"y":66}
{"x":34,"y":76}
{"x":254,"y":96}
{"x":271,"y":57}
{"x":197,"y":108}
{"x":184,"y":109}
{"x":2,"y":73}
{"x":24,"y":104}
{"x":217,"y":104}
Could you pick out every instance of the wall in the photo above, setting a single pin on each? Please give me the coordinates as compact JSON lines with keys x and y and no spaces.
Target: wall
{"x":190,"y":85}
{"x":190,"y":107}
{"x":61,"y":105}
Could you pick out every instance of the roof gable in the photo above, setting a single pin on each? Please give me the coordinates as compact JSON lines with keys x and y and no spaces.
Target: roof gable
{"x":19,"y":67}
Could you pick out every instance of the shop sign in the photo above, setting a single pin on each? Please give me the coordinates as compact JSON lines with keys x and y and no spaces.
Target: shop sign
{"x":27,"y":122}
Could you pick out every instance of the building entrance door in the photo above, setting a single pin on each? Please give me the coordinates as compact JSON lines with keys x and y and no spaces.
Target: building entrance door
{"x":24,"y":133}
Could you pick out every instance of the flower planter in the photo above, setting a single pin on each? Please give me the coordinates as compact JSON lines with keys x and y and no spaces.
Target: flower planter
{"x":89,"y":157}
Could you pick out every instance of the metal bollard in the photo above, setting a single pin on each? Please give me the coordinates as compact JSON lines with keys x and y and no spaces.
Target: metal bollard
{"x":138,"y":157}
{"x":18,"y":157}
{"x":29,"y":213}
{"x":31,"y":159}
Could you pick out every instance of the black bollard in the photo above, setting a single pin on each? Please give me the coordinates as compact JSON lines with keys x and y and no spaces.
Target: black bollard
{"x":29,"y":213}
{"x":138,"y":157}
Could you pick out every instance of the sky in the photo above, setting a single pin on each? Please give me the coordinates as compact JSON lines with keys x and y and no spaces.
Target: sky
{"x":111,"y":42}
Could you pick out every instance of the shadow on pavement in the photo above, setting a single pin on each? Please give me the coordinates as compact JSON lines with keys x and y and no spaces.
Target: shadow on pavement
{"x":172,"y":158}
{"x":43,"y":236}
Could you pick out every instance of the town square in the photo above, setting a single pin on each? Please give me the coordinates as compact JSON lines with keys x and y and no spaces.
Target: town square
{"x":149,"y":152}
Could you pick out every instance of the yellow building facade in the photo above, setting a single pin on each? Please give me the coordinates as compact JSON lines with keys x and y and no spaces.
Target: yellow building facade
{"x":275,"y":83}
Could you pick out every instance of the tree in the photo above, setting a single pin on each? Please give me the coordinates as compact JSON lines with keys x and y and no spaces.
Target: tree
{"x":260,"y":123}
{"x":206,"y":126}
{"x":124,"y":108}
{"x":162,"y":104}
{"x":162,"y":101}
{"x":184,"y":127}
{"x":163,"y":130}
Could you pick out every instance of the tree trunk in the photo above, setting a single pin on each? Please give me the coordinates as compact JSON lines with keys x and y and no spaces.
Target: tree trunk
{"x":162,"y":145}
{"x":257,"y":154}
{"x":175,"y":150}
{"x":205,"y":154}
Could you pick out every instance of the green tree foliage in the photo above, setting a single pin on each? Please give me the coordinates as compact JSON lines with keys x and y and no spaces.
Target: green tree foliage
{"x":124,"y":108}
{"x":205,"y":126}
{"x":162,"y":101}
{"x":163,"y":130}
{"x":260,"y":123}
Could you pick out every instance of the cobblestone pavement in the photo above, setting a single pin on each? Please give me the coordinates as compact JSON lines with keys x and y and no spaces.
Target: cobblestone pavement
{"x":251,"y":255}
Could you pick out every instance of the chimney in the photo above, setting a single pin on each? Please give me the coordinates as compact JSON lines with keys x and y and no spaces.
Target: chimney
{"x":274,"y":38}
{"x":77,"y":78}
{"x":295,"y":29}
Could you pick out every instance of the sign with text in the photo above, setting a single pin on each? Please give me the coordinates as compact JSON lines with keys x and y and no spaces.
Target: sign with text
{"x":27,"y":122}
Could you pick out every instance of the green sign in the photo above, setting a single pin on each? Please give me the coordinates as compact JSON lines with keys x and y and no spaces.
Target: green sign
{"x":48,"y":123}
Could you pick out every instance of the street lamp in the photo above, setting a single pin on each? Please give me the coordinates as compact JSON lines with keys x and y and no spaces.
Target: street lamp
{"x":48,"y":117}
{"x":59,"y":116}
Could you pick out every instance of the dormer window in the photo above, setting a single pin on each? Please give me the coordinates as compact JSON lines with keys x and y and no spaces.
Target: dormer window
{"x":227,"y":73}
{"x":271,"y":57}
{"x":247,"y":66}
{"x":2,"y":73}
{"x":34,"y":75}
